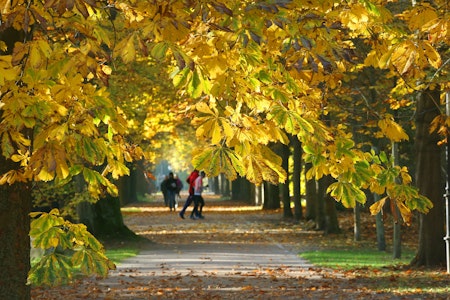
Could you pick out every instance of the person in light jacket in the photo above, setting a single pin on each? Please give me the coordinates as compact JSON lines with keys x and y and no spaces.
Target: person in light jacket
{"x":198,"y":199}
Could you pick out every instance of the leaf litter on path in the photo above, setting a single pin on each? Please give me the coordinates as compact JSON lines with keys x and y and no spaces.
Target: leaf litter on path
{"x":236,"y":252}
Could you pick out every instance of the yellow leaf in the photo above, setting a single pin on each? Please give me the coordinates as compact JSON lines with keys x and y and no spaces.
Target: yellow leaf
{"x":106,"y":69}
{"x":44,"y":48}
{"x":10,"y":177}
{"x":216,"y":133}
{"x":204,"y":108}
{"x":392,"y":130}
{"x":45,"y":175}
{"x":431,"y":54}
{"x":126,"y":49}
{"x":34,"y":57}
{"x":404,"y":211}
{"x":228,"y":130}
{"x":377,"y":206}
{"x":420,"y":15}
{"x":7,"y":71}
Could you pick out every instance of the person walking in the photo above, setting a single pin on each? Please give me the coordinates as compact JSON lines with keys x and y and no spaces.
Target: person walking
{"x":164,"y":190}
{"x":198,"y":199}
{"x":190,"y":180}
{"x":171,"y":191}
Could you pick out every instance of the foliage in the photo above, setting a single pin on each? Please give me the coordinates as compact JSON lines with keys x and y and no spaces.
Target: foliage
{"x":155,"y":113}
{"x":69,"y":248}
{"x":254,"y":70}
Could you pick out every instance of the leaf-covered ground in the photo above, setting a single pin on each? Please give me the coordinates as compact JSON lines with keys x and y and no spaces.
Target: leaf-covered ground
{"x":238,"y":252}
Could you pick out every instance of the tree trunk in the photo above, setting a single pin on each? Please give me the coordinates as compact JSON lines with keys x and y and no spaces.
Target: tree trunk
{"x":310,"y":196}
{"x":357,"y":222}
{"x":322,"y":186}
{"x":397,"y":249}
{"x":296,"y":177}
{"x":104,"y":218}
{"x":431,"y":250}
{"x":108,"y":220}
{"x":224,"y":186}
{"x":381,"y":239}
{"x":331,"y":219}
{"x":241,"y":190}
{"x":287,"y":211}
{"x":271,"y":196}
{"x":15,"y":207}
{"x":259,"y":195}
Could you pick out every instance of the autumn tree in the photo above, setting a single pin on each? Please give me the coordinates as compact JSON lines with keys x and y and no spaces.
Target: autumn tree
{"x":414,"y":60}
{"x":57,"y":122}
{"x":254,"y":71}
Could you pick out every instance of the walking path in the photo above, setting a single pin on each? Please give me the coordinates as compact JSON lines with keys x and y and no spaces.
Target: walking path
{"x":231,"y":254}
{"x":215,"y":258}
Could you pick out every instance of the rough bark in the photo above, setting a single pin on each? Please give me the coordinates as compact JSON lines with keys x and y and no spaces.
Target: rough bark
{"x":431,"y":250}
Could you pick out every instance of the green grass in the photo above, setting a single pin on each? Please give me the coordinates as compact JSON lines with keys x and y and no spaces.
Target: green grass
{"x":355,"y":258}
{"x":131,"y":209}
{"x":119,"y":254}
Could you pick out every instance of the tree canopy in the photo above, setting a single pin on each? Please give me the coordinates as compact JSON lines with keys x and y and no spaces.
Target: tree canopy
{"x":251,"y":71}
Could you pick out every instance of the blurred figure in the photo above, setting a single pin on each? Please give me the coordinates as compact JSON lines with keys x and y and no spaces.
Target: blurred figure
{"x":170,"y":186}
{"x":190,"y":180}
{"x":198,"y":199}
{"x":163,"y":188}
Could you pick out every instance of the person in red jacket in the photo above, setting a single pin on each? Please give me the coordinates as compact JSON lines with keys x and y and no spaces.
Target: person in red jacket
{"x":191,"y":181}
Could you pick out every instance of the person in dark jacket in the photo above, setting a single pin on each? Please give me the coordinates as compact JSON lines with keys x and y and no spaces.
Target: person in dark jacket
{"x":170,"y":186}
{"x":163,"y":188}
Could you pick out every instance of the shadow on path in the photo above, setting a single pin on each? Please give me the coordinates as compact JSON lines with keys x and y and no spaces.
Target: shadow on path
{"x":236,"y":252}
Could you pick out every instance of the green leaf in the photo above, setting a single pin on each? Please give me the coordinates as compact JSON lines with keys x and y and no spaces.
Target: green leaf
{"x":194,"y":87}
{"x":264,"y":77}
{"x":45,"y":228}
{"x":180,"y":77}
{"x":347,"y":193}
{"x":52,"y":269}
{"x":159,"y":50}
{"x":7,"y":148}
{"x":291,"y":121}
{"x":91,"y":262}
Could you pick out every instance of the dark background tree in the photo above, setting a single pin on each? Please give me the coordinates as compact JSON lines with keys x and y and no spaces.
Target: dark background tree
{"x":431,"y":250}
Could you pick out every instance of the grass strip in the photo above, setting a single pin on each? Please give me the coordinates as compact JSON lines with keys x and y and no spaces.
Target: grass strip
{"x":355,"y":258}
{"x":119,"y":254}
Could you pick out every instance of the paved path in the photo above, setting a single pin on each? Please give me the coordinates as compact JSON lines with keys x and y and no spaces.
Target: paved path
{"x":231,"y":254}
{"x":218,"y":257}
